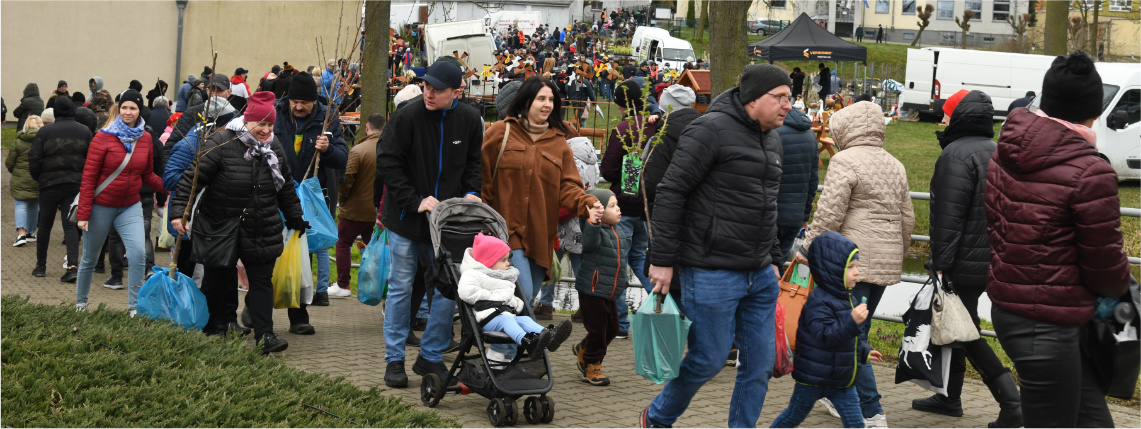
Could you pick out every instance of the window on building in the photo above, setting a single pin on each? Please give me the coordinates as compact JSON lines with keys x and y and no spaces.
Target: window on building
{"x":1001,"y":10}
{"x":778,"y":4}
{"x":883,"y":6}
{"x":909,"y":7}
{"x":1120,"y":5}
{"x":1081,"y":4}
{"x":945,"y":9}
{"x":908,"y":36}
{"x":976,"y":6}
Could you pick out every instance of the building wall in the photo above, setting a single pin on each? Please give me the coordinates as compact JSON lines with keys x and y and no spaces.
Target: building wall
{"x":45,"y":42}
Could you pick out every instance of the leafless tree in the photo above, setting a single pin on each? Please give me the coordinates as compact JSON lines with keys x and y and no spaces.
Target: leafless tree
{"x":965,"y":24}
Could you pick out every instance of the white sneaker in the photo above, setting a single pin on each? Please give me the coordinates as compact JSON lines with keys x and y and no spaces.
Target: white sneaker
{"x":336,"y":291}
{"x":80,"y":306}
{"x":831,"y":408}
{"x":132,"y":313}
{"x":496,"y":359}
{"x":876,"y":421}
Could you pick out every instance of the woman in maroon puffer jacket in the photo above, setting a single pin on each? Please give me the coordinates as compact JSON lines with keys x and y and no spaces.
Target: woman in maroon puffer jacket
{"x":1053,"y":219}
{"x":117,"y":204}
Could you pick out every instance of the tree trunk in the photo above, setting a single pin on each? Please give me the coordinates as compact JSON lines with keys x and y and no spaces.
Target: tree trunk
{"x":727,"y":42}
{"x":1093,"y":31}
{"x":918,"y":35}
{"x":1057,"y":25}
{"x":374,"y":67}
{"x":703,"y":23}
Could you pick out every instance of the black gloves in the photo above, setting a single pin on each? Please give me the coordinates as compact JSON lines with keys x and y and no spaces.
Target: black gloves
{"x":297,"y":225}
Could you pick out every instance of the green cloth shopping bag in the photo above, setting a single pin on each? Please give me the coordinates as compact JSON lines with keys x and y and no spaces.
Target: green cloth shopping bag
{"x":659,"y":334}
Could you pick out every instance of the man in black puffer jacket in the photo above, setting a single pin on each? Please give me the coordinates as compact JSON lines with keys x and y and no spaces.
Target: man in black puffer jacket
{"x":56,"y":162}
{"x":799,"y":180}
{"x":715,"y":216}
{"x":960,"y":249}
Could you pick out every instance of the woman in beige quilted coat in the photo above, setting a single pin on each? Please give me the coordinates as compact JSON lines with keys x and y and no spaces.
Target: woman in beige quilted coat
{"x":866,"y":199}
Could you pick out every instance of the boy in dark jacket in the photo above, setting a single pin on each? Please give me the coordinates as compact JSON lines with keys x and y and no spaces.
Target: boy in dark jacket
{"x":600,"y":278}
{"x":827,"y":340}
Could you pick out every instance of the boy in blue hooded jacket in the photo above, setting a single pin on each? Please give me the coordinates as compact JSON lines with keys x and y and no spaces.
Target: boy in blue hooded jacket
{"x":828,"y":348}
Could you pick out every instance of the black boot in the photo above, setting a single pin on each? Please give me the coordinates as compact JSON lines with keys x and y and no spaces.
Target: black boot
{"x":536,"y":342}
{"x":943,"y":404}
{"x":1005,"y":392}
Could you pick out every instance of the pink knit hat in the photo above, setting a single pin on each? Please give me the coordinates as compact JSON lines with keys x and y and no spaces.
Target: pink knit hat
{"x":488,"y":250}
{"x":260,"y":108}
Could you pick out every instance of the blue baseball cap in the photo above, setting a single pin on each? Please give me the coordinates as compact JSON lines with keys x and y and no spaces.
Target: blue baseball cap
{"x":443,"y":74}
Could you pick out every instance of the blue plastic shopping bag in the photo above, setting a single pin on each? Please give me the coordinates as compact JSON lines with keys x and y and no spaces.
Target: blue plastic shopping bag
{"x":322,"y":232}
{"x":659,"y":332}
{"x":376,"y":262}
{"x":177,"y":299}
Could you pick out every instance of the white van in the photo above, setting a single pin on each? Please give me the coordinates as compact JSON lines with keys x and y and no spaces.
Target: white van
{"x":935,"y":73}
{"x":657,"y":46}
{"x":1119,"y":127}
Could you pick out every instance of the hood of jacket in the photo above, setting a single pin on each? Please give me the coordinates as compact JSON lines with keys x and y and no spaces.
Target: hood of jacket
{"x":973,"y":117}
{"x":828,"y":260}
{"x":860,"y":124}
{"x":31,"y":90}
{"x":797,"y":120}
{"x":98,"y":84}
{"x":728,"y":104}
{"x":27,"y":135}
{"x":1030,"y":143}
{"x":583,"y":150}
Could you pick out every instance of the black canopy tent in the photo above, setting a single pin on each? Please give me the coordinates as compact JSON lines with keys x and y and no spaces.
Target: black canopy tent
{"x":803,"y":40}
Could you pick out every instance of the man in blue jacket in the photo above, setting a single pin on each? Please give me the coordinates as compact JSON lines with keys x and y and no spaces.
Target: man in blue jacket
{"x":300,"y":128}
{"x":798,"y":179}
{"x":429,"y":152}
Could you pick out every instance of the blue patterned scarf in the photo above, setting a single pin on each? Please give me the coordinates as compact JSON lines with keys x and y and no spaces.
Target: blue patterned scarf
{"x":127,"y":135}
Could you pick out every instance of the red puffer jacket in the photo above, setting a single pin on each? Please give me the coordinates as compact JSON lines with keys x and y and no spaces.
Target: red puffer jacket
{"x":1054,"y":222}
{"x":104,"y":156}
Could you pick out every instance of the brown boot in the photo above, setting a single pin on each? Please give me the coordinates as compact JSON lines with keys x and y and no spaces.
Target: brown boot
{"x":594,"y":375}
{"x":544,"y":312}
{"x":577,"y":316}
{"x":578,"y":351}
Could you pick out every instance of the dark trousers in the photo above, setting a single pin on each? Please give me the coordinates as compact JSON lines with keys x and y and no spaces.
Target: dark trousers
{"x":1058,"y":387}
{"x":347,"y":232}
{"x":57,"y":199}
{"x":220,"y":285}
{"x":600,"y":318}
{"x":185,"y":260}
{"x":980,"y":354}
{"x":113,"y":248}
{"x":259,"y":299}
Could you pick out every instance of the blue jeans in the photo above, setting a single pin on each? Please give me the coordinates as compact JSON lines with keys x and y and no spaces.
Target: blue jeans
{"x":635,"y":255}
{"x":865,"y":378}
{"x":322,"y":256}
{"x":128,"y":222}
{"x":530,"y":279}
{"x":398,"y":306}
{"x":27,"y":215}
{"x":804,"y":398}
{"x":547,"y":293}
{"x":727,"y":307}
{"x":514,"y":326}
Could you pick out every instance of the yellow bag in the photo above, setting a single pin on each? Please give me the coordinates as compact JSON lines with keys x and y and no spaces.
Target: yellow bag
{"x":287,"y":274}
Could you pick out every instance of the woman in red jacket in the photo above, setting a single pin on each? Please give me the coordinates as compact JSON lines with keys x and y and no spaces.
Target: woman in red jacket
{"x":117,"y":203}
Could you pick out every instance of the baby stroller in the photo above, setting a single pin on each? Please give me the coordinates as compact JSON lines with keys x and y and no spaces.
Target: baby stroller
{"x":454,"y":224}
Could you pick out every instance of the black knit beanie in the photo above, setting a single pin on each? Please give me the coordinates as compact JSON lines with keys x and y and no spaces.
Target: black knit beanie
{"x":64,"y":108}
{"x":302,"y":87}
{"x":758,"y":79}
{"x":629,"y":95}
{"x":136,"y":85}
{"x":131,"y":95}
{"x":1071,"y":89}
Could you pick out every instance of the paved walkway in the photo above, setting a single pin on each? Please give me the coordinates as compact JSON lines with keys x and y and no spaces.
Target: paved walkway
{"x":349,"y":343}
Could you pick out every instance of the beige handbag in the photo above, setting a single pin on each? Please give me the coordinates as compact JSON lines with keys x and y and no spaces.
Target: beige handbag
{"x":950,"y":321}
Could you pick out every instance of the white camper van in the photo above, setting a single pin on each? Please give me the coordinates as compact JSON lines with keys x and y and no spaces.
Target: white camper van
{"x":935,"y":73}
{"x":1119,"y":127}
{"x":657,"y":46}
{"x":463,"y":36}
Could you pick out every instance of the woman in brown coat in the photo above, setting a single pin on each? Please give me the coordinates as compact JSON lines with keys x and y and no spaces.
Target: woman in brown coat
{"x":528,"y":176}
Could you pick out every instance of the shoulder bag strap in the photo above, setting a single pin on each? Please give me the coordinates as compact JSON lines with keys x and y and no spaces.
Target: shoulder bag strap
{"x":111,"y":178}
{"x":502,"y":145}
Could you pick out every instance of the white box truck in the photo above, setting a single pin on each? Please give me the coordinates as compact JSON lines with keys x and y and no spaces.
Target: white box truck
{"x":656,"y":45}
{"x":935,"y":73}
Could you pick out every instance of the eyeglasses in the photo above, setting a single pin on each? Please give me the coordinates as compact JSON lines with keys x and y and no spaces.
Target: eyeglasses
{"x":782,"y":99}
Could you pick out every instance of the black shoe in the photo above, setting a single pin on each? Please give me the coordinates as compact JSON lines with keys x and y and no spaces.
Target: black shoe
{"x":394,"y":375}
{"x":622,"y":335}
{"x":562,"y":333}
{"x":939,"y":404}
{"x":271,"y":344}
{"x":420,"y":324}
{"x":453,"y":346}
{"x":216,"y":330}
{"x":302,"y":329}
{"x":413,"y":340}
{"x":114,"y":283}
{"x":70,"y":275}
{"x":247,"y":318}
{"x":40,"y":271}
{"x":1005,"y":391}
{"x":238,"y":329}
{"x":422,"y":367}
{"x":536,"y":341}
{"x":320,"y":299}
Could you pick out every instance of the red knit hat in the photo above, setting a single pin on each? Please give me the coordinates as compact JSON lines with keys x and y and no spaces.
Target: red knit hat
{"x":260,"y":107}
{"x":488,"y":250}
{"x":951,"y":103}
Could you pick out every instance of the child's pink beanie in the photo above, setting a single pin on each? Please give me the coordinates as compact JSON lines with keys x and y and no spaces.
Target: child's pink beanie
{"x":488,"y":250}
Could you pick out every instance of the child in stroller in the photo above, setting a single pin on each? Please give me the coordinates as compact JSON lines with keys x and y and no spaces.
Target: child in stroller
{"x":487,"y":283}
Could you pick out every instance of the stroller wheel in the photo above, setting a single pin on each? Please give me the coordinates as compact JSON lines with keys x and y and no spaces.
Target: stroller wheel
{"x":512,"y":413}
{"x":531,"y":411}
{"x":547,"y":406}
{"x":431,"y":390}
{"x":496,"y":413}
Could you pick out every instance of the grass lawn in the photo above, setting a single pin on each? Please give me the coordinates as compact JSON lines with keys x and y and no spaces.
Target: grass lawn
{"x":102,"y":369}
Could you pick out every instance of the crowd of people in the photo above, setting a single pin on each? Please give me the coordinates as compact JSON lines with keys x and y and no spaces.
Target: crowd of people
{"x":725,"y":193}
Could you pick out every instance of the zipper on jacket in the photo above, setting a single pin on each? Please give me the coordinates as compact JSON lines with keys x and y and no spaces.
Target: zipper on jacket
{"x":594,"y":281}
{"x":440,"y":166}
{"x":617,"y":271}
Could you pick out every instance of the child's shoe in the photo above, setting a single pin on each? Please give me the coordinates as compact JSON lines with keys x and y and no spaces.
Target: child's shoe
{"x":578,"y":350}
{"x":561,"y":333}
{"x":536,"y":342}
{"x":594,"y":375}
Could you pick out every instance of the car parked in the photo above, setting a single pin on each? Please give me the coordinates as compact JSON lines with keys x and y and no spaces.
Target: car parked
{"x":765,"y":27}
